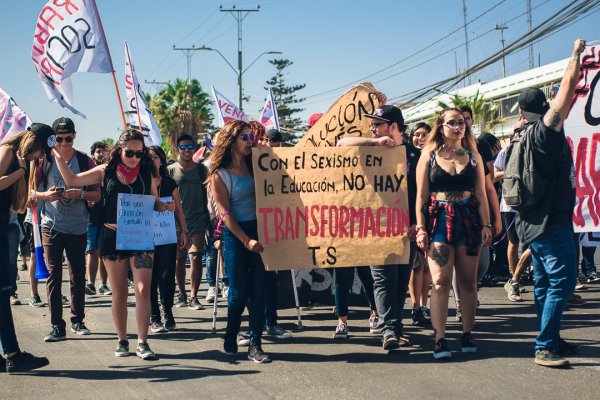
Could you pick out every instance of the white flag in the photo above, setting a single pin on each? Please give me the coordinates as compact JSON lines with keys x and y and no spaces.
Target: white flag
{"x":141,"y":117}
{"x":68,"y":38}
{"x":227,"y":110}
{"x":268,"y":115}
{"x":12,"y":119}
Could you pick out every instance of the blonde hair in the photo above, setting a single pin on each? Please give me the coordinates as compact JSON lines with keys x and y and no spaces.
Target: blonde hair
{"x":435,"y":139}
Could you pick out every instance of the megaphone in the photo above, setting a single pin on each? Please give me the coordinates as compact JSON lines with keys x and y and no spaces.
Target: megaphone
{"x":41,"y":271}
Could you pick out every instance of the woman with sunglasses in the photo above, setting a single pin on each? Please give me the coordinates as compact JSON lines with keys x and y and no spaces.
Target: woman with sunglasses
{"x":15,"y":153}
{"x":232,"y":185}
{"x":129,"y":170}
{"x":452,"y":221}
{"x":163,"y":272}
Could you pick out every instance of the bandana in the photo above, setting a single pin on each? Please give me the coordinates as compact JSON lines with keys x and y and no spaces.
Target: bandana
{"x":126,"y":174}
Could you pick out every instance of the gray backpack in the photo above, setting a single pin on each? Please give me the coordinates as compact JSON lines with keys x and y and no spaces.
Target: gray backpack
{"x":523,"y":187}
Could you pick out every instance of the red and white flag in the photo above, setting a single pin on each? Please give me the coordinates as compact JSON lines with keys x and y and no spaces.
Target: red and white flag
{"x":268,"y":115}
{"x":68,"y":38}
{"x":136,"y":108}
{"x":227,"y":110}
{"x":13,"y":120}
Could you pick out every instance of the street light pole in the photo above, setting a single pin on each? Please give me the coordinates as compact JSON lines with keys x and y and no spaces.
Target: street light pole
{"x":501,"y":28}
{"x":239,"y":15}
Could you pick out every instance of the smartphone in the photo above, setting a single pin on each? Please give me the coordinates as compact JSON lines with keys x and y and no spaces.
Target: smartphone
{"x":59,"y":189}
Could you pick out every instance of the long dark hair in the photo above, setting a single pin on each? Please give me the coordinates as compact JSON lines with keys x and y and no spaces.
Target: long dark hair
{"x":115,"y":155}
{"x":162,"y":170}
{"x":221,"y":154}
{"x":415,"y":128}
{"x":435,"y":139}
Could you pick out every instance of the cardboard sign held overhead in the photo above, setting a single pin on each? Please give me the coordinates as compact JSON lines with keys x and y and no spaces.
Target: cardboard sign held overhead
{"x":346,"y":117}
{"x":331,"y":207}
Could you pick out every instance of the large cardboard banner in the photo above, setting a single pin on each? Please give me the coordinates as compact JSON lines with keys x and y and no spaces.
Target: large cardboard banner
{"x":582,"y":128}
{"x":331,"y":207}
{"x":346,"y":117}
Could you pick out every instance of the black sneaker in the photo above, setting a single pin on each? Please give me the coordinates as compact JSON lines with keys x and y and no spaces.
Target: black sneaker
{"x":418,"y":317}
{"x":90,"y":289}
{"x":592,"y":278}
{"x":80,"y":329}
{"x":180,"y":300}
{"x":2,"y":364}
{"x":144,"y":352}
{"x":122,"y":349}
{"x":170,"y":324}
{"x":230,"y":347}
{"x":548,"y":358}
{"x":565,"y":347}
{"x":467,"y":343}
{"x":441,"y":351}
{"x":391,"y":342}
{"x":256,"y":354}
{"x":194,"y":304}
{"x":56,"y":335}
{"x":23,"y":361}
{"x":36,"y":301}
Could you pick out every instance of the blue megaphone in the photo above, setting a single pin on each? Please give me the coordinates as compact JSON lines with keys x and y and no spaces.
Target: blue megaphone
{"x":41,"y":271}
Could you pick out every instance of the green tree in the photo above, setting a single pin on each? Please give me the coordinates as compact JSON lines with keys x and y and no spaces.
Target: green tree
{"x":285,"y":99}
{"x":485,"y":113}
{"x":108,"y":141}
{"x":179,"y":108}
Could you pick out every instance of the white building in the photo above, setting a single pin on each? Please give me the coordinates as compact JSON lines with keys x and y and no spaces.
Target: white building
{"x":503,"y":92}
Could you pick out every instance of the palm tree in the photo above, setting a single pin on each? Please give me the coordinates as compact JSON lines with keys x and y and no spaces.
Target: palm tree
{"x":485,"y":113}
{"x":181,"y":107}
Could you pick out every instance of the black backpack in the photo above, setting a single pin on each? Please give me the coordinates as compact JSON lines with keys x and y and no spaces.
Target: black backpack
{"x":523,"y":187}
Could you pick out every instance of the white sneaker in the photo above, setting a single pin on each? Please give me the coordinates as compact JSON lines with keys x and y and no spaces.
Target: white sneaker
{"x":225,"y":292}
{"x":211,"y":295}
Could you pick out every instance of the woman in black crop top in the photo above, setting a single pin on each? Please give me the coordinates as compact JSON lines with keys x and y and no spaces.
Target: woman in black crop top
{"x":451,"y":206}
{"x":129,"y":170}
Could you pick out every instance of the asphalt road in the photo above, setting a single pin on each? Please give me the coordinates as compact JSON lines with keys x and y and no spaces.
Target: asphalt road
{"x":311,"y":364}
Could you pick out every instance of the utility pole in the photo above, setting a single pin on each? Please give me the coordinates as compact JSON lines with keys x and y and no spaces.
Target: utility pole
{"x":529,"y":27}
{"x":501,"y":28}
{"x":466,"y":38}
{"x":188,"y":52}
{"x":239,"y":15}
{"x":155,"y":83}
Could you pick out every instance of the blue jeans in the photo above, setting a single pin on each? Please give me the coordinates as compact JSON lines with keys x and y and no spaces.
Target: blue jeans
{"x":555,"y":273}
{"x":8,"y":336}
{"x":246,"y":274}
{"x":587,"y":260}
{"x":271,"y":298}
{"x":344,"y":277}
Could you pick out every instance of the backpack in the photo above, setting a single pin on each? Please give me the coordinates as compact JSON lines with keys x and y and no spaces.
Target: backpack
{"x":523,"y":187}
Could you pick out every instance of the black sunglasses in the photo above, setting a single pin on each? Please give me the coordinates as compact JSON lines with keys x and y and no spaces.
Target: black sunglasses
{"x":186,"y":146}
{"x":131,"y":153}
{"x":67,"y":139}
{"x":245,"y":136}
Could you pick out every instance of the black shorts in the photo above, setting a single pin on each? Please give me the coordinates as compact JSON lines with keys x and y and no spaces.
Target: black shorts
{"x":108,"y":247}
{"x":28,"y":228}
{"x":508,"y":219}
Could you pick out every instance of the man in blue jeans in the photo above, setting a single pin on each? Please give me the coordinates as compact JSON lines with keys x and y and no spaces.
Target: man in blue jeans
{"x":548,"y":227}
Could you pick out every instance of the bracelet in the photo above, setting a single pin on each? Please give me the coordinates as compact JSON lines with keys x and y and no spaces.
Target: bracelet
{"x":247,"y":242}
{"x":489,"y":226}
{"x":24,"y":170}
{"x":422,"y":233}
{"x":420,"y":227}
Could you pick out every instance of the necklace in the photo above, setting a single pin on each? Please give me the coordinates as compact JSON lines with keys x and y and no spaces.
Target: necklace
{"x":458,"y":152}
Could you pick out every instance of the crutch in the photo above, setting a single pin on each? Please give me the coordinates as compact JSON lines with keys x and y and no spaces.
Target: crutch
{"x":299,"y":325}
{"x":218,"y":277}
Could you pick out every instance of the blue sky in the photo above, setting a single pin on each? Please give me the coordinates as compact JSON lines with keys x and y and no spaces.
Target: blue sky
{"x":332,"y":44}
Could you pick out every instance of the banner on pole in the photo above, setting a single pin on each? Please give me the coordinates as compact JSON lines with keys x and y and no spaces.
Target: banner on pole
{"x":13,"y":120}
{"x":137,"y":109}
{"x":268,"y":116}
{"x":346,"y":117}
{"x":582,"y":128}
{"x":226,"y":110}
{"x":135,"y":228}
{"x":331,"y":207}
{"x":68,"y":38}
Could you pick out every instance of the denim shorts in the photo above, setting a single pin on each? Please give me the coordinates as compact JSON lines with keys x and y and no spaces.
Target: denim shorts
{"x":440,"y":232}
{"x":92,"y":238}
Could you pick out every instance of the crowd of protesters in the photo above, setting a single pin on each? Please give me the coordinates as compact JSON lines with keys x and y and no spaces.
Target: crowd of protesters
{"x":455,"y":215}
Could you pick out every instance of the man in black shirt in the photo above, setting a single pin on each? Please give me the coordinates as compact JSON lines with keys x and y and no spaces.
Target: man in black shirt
{"x":548,"y":227}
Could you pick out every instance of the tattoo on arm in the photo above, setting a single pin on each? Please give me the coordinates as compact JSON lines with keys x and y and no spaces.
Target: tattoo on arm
{"x":556,"y":118}
{"x":141,"y":261}
{"x":440,"y":254}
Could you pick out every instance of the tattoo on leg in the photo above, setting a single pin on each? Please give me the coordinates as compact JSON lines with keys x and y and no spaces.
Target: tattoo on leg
{"x":142,"y":261}
{"x":440,"y":254}
{"x":556,"y":118}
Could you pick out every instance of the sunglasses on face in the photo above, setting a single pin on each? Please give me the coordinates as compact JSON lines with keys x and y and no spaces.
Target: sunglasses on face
{"x":377,"y":124}
{"x":186,"y":147}
{"x":247,"y":136}
{"x":67,"y":139}
{"x":131,"y":153}
{"x":455,"y":124}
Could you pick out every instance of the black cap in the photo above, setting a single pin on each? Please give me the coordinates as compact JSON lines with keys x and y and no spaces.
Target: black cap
{"x":45,"y":134}
{"x":388,"y":114}
{"x":533,"y":103}
{"x":64,"y":125}
{"x":274,"y":135}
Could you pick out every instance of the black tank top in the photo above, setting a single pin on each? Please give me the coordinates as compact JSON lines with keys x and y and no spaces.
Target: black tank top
{"x":442,"y":181}
{"x":112,"y":188}
{"x":6,"y":194}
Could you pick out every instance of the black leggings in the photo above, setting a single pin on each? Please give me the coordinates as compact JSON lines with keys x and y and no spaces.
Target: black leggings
{"x":163,"y":277}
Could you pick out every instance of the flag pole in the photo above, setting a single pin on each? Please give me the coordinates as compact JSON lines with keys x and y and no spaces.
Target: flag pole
{"x":135,"y":92}
{"x":93,"y":2}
